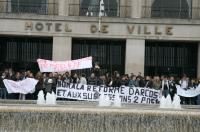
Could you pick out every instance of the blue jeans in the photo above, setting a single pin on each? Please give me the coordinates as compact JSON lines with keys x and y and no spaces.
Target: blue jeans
{"x":165,"y":93}
{"x":3,"y":93}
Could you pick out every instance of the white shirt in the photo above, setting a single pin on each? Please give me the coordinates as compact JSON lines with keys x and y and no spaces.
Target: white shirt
{"x":183,"y":83}
{"x":83,"y":80}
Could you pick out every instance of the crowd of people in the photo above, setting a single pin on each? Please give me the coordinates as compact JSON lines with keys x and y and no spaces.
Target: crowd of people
{"x":49,"y":81}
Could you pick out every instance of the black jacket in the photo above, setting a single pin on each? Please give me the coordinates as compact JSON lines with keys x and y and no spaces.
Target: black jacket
{"x":1,"y":83}
{"x":116,"y":82}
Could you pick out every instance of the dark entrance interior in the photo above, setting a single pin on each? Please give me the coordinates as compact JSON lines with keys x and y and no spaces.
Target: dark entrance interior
{"x":110,"y":54}
{"x":171,"y":58}
{"x":21,"y":53}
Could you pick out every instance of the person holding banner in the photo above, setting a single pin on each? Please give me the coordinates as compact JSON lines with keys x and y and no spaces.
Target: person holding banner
{"x":59,"y":81}
{"x":116,"y":80}
{"x":133,"y":81}
{"x":156,"y":83}
{"x":193,"y":84}
{"x":67,"y":78}
{"x":124,"y":81}
{"x":102,"y":80}
{"x":92,"y":80}
{"x":83,"y":79}
{"x":184,"y":85}
{"x":75,"y":78}
{"x":148,"y":82}
{"x":17,"y":78}
{"x":96,"y":70}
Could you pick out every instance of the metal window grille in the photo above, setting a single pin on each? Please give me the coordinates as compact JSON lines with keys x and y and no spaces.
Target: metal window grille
{"x":171,"y":58}
{"x":110,"y":54}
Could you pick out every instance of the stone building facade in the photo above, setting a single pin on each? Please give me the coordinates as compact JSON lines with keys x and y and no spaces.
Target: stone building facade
{"x":151,"y":37}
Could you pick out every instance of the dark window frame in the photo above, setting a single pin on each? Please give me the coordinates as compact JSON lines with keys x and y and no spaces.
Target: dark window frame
{"x":171,"y":9}
{"x":103,"y":51}
{"x":171,"y":58}
{"x":112,"y":8}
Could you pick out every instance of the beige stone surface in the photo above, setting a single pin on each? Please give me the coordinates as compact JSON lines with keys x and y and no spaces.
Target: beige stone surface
{"x":195,"y":9}
{"x":63,"y":9}
{"x":135,"y":53}
{"x":185,"y":30}
{"x":198,"y":66}
{"x":136,"y":8}
{"x":62,"y":48}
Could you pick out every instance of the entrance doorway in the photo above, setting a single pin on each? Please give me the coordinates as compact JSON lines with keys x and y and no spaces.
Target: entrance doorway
{"x":21,"y":53}
{"x":171,"y":58}
{"x":110,"y":54}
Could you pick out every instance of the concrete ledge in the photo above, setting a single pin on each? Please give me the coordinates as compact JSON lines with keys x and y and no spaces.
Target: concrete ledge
{"x":104,"y":19}
{"x":82,"y":116}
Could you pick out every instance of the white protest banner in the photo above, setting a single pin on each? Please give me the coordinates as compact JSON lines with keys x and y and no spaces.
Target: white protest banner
{"x":25,"y":86}
{"x":192,"y":92}
{"x":92,"y":93}
{"x":61,"y":66}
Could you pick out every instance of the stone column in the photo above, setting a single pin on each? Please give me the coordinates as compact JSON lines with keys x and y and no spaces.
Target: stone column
{"x":146,"y":8}
{"x":198,"y":63}
{"x":63,"y":7}
{"x":5,"y":6}
{"x":62,"y":47}
{"x":135,"y":55}
{"x":124,"y":9}
{"x":136,"y":8}
{"x":195,"y":9}
{"x":73,"y":7}
{"x":52,"y":7}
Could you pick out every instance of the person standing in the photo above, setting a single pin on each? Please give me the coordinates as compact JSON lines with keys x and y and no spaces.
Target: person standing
{"x":165,"y":86}
{"x":193,"y":85}
{"x":184,"y":85}
{"x":92,"y":80}
{"x":48,"y":83}
{"x":124,"y":81}
{"x":59,"y":81}
{"x":156,"y":83}
{"x":96,"y":70}
{"x":102,"y":81}
{"x":172,"y":87}
{"x":3,"y":90}
{"x":83,"y":79}
{"x":39,"y":85}
{"x":19,"y":96}
{"x":67,"y":78}
{"x":133,"y":82}
{"x":116,"y":80}
{"x":75,"y":78}
{"x":148,"y":82}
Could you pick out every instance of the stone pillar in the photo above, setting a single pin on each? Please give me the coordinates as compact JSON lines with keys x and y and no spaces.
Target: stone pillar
{"x":52,"y":7}
{"x":146,"y":8}
{"x":124,"y":8}
{"x":71,"y":8}
{"x":63,"y":7}
{"x":198,"y":65}
{"x":5,"y":6}
{"x":62,"y":47}
{"x":135,"y":55}
{"x":136,"y":8}
{"x":195,"y":9}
